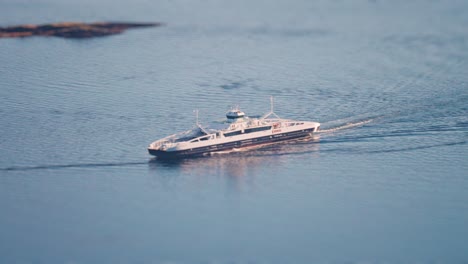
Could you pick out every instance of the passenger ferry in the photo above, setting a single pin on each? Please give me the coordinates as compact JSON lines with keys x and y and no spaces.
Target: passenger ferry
{"x":237,"y":132}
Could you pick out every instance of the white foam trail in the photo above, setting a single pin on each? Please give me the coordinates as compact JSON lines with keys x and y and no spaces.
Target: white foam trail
{"x":346,"y":126}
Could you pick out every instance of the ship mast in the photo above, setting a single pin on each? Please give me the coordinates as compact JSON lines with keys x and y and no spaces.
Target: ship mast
{"x":271,"y":110}
{"x":196,"y":117}
{"x":271,"y":104}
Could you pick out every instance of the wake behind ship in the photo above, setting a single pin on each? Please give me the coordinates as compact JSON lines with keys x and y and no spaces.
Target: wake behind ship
{"x":237,"y":132}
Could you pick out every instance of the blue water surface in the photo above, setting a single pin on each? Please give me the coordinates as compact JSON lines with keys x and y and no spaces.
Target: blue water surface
{"x":384,"y":182}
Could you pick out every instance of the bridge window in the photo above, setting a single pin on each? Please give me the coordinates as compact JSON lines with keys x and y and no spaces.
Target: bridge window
{"x":235,"y":133}
{"x":257,"y":129}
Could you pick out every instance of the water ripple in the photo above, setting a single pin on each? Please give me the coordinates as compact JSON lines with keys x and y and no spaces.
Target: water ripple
{"x":66,"y":166}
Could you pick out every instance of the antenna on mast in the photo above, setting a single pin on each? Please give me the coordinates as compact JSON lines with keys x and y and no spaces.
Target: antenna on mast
{"x":196,"y":116}
{"x":198,"y":123}
{"x":271,"y":110}
{"x":271,"y":104}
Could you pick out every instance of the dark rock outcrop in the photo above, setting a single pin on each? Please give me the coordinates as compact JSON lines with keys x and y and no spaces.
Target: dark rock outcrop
{"x":71,"y":29}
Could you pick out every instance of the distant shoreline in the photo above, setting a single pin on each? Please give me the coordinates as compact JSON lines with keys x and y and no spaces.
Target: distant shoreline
{"x":71,"y":29}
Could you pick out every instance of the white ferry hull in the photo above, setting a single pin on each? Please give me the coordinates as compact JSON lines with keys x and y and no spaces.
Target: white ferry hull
{"x":226,"y":146}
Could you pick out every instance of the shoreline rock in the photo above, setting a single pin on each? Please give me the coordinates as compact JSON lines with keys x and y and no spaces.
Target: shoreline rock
{"x":71,"y":29}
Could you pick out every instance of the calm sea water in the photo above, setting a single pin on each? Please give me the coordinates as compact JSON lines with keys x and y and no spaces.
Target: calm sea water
{"x":386,"y":181}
